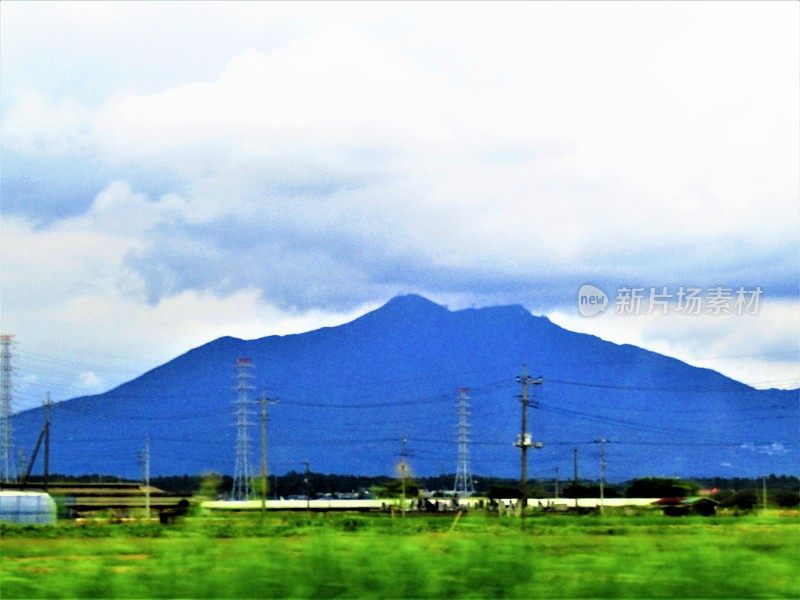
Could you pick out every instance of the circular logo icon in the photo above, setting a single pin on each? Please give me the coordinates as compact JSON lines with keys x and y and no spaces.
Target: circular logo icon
{"x":591,"y":300}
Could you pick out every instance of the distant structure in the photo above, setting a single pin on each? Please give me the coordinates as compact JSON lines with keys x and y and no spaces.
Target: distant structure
{"x":7,"y":460}
{"x":403,"y":470}
{"x":463,"y":485}
{"x":242,"y":473}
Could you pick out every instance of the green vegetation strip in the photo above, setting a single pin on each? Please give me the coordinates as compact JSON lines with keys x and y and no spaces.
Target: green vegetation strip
{"x":366,"y":556}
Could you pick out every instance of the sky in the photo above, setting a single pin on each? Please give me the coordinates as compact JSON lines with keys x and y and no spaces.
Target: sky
{"x":174,"y":172}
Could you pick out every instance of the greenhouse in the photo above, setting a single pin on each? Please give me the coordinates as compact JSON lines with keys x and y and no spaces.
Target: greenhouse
{"x":32,"y":508}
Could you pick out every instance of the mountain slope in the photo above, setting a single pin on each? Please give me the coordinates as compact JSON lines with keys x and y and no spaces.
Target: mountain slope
{"x":348,"y":394}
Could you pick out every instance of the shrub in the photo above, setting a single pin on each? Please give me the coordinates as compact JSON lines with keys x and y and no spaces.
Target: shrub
{"x":786,"y":498}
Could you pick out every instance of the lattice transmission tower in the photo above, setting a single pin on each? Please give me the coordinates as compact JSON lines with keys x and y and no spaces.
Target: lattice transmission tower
{"x":242,"y":489}
{"x":463,"y":485}
{"x":7,"y":460}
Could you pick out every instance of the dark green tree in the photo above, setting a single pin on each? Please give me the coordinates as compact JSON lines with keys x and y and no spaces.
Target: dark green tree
{"x":786,"y":498}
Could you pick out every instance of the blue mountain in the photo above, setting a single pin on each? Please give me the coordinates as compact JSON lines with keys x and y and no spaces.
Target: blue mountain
{"x":347,"y":395}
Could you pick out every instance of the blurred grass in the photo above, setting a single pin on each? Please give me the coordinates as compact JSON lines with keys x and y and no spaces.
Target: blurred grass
{"x":374,"y":556}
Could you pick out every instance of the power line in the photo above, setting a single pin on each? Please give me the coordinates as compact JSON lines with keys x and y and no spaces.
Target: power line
{"x":487,"y":387}
{"x":641,"y":388}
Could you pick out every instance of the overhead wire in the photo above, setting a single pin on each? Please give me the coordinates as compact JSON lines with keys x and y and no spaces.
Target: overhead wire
{"x":482,"y":388}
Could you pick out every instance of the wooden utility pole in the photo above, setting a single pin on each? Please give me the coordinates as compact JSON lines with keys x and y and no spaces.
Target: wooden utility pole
{"x":146,"y":461}
{"x":556,"y":494}
{"x":403,"y":469}
{"x":307,"y":481}
{"x":602,"y":442}
{"x":264,"y":402}
{"x":524,"y":440}
{"x":575,"y":473}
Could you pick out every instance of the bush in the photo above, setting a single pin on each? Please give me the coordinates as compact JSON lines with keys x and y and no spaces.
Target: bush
{"x":745,"y":500}
{"x":210,"y":485}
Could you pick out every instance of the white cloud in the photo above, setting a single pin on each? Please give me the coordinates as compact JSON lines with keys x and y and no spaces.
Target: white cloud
{"x":775,"y":448}
{"x":338,"y":132}
{"x":760,"y":350}
{"x":36,"y":126}
{"x":90,"y":381}
{"x":595,"y":141}
{"x":328,"y":109}
{"x":119,"y":209}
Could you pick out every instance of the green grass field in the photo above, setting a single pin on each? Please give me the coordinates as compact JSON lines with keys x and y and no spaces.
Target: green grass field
{"x":348,"y":556}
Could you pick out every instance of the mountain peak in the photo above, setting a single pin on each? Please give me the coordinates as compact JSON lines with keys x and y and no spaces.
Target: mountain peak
{"x":407,"y":308}
{"x":412,"y":302}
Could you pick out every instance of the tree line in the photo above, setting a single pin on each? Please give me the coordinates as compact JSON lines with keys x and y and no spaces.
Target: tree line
{"x":782,"y":490}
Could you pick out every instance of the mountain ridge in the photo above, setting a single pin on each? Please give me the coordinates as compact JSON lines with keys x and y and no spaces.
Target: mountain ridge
{"x":353,"y":390}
